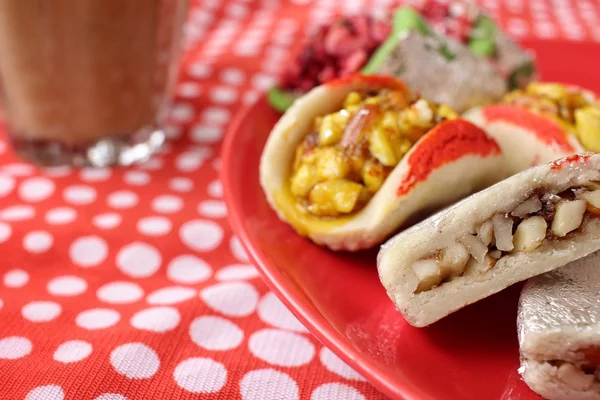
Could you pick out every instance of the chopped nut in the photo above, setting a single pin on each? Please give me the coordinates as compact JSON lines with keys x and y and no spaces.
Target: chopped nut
{"x":592,"y":198}
{"x":330,"y":131}
{"x":568,"y":217}
{"x":331,"y":164}
{"x":503,"y":232}
{"x":530,"y":233}
{"x":372,"y":175}
{"x":428,"y":273}
{"x":381,"y":147}
{"x":485,"y":232}
{"x":477,"y":266}
{"x":423,"y":111}
{"x":454,"y":259}
{"x":303,"y":180}
{"x":334,"y":197}
{"x":495,"y":254}
{"x":588,"y":125}
{"x":529,"y":206}
{"x":574,"y":376}
{"x":474,"y":246}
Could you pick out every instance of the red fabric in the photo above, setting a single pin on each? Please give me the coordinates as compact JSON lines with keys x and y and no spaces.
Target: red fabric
{"x":66,"y":237}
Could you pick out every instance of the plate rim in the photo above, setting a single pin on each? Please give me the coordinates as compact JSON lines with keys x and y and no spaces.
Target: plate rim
{"x":380,"y":378}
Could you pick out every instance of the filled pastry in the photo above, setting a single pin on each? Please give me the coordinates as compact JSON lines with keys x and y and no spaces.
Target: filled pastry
{"x":353,"y":160}
{"x":559,"y":334}
{"x":541,"y":123}
{"x":526,"y":225}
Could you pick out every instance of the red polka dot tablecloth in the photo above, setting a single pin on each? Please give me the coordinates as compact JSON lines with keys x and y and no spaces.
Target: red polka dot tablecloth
{"x":129,"y":284}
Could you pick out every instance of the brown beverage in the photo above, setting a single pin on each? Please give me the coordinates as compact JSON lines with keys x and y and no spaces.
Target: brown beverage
{"x":88,"y":81}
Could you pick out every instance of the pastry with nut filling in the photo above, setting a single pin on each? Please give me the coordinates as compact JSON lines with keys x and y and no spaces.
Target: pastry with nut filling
{"x":540,"y":123}
{"x":559,"y":336}
{"x":526,"y":225}
{"x":353,"y":160}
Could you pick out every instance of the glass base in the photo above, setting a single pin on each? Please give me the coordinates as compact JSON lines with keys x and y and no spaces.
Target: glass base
{"x":106,"y":151}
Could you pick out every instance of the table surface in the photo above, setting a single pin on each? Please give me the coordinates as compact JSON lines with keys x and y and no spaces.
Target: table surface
{"x":129,"y":284}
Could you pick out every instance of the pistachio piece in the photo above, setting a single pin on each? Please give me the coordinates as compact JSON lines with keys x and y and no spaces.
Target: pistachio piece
{"x":530,"y":233}
{"x":529,"y":206}
{"x":568,"y":217}
{"x":475,"y":247}
{"x":503,"y":232}
{"x":428,"y":273}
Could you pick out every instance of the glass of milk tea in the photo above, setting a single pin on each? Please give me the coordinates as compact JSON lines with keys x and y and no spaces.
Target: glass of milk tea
{"x":88,"y":82}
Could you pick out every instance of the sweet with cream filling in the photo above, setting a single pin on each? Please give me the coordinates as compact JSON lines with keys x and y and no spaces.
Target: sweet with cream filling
{"x":355,"y":159}
{"x":528,"y":224}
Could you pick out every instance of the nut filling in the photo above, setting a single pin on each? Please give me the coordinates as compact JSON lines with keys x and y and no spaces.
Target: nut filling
{"x":542,"y":217}
{"x":348,"y":154}
{"x":572,"y":109}
{"x":578,"y":377}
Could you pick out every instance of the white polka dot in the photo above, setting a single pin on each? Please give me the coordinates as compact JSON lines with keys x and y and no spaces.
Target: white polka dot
{"x":107,"y":221}
{"x":173,"y":133}
{"x":251,"y":97}
{"x":206,"y":134}
{"x":120,"y":292}
{"x":234,"y":299}
{"x":263,"y":82}
{"x":167,"y":204}
{"x":41,"y":311}
{"x":216,"y":115}
{"x":201,"y":235}
{"x":212,"y":209}
{"x":97,"y":318}
{"x":170,"y":295}
{"x":58,"y":172}
{"x":215,"y":189}
{"x":110,"y":396}
{"x":154,"y":226}
{"x":156,"y":319}
{"x":139,"y":260}
{"x":16,"y":278}
{"x":281,"y":348}
{"x":122,"y":199}
{"x":334,"y":364}
{"x":215,"y":333}
{"x":36,"y":189}
{"x":237,"y":272}
{"x":72,"y":351}
{"x":7,"y":184}
{"x":17,"y":213}
{"x":48,"y":392}
{"x":183,"y":185}
{"x":95,"y":174}
{"x":272,"y":311}
{"x":182,"y":112}
{"x":60,"y":216}
{"x":223,"y":95}
{"x":233,"y":76}
{"x":245,"y":50}
{"x":67,"y":285}
{"x":200,"y":375}
{"x":2,"y":147}
{"x":211,"y":3}
{"x":1,"y":303}
{"x":216,"y":163}
{"x":188,"y":269}
{"x":88,"y":251}
{"x":200,"y":70}
{"x":189,"y":90}
{"x":79,"y":194}
{"x":268,"y":384}
{"x":14,"y":347}
{"x":5,"y":232}
{"x":329,"y":391}
{"x":152,"y":164}
{"x":238,"y":250}
{"x":189,"y":161}
{"x":237,"y":10}
{"x":135,"y":361}
{"x":38,"y":242}
{"x":18,"y":169}
{"x":136,"y":178}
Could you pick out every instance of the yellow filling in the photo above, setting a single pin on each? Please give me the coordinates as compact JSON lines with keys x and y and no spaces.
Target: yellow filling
{"x":343,"y":161}
{"x":570,"y":108}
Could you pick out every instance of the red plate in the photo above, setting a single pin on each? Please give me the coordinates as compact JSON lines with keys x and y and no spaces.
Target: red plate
{"x":472,"y":354}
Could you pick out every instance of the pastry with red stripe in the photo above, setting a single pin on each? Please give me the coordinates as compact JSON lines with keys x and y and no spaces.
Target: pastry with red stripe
{"x":542,"y":122}
{"x":526,"y":225}
{"x":353,"y":160}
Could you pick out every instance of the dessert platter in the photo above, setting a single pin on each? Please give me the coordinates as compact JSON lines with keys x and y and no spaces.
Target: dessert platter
{"x":423,"y":193}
